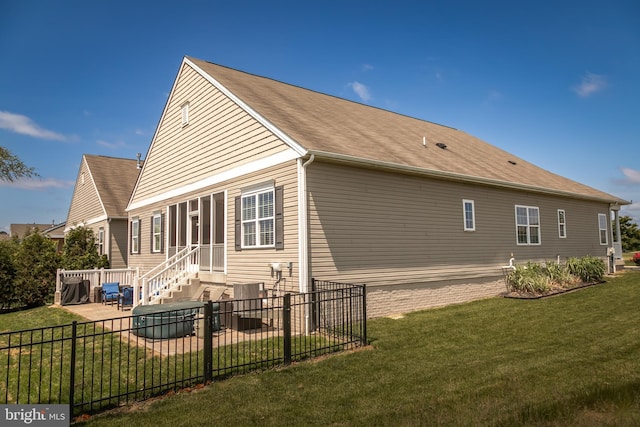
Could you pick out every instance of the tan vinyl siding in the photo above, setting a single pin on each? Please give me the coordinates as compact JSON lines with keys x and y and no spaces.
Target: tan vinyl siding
{"x":219,"y":136}
{"x":248,"y":265}
{"x":85,"y":203}
{"x":118,"y":243}
{"x":251,"y":265}
{"x":382,"y":228}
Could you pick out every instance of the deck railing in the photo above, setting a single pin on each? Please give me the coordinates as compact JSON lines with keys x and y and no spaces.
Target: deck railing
{"x":96,"y":277}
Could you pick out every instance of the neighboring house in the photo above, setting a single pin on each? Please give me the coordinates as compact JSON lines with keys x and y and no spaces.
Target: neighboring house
{"x":21,"y":230}
{"x":102,"y":190}
{"x":263,"y":176}
{"x":56,"y":233}
{"x":53,"y":231}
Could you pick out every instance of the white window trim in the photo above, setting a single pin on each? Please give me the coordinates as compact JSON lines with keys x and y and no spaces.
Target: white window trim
{"x":184,"y":113}
{"x":528,"y":225}
{"x":605,"y":229}
{"x":562,"y":225}
{"x":157,"y":243}
{"x":464,"y":215}
{"x":101,"y":241}
{"x":135,"y":234}
{"x":255,"y":193}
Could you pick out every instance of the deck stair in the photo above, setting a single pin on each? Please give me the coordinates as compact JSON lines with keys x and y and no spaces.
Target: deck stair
{"x":171,"y":280}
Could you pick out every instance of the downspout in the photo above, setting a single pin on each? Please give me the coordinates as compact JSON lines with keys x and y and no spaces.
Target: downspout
{"x":303,"y":224}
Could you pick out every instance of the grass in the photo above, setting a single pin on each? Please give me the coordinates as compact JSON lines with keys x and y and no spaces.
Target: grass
{"x":628,"y":258}
{"x":109,"y":371}
{"x":572,"y":359}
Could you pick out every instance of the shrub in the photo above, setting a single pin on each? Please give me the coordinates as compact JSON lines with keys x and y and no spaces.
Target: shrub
{"x":8,"y":296}
{"x":80,"y":251}
{"x":36,"y":261}
{"x":589,"y":269}
{"x":529,"y":278}
{"x":540,"y":278}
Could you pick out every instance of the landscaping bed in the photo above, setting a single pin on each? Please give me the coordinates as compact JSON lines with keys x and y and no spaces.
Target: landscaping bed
{"x":540,"y":280}
{"x":555,"y":290}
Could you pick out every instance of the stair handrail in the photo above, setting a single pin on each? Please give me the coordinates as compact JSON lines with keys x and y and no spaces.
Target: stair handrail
{"x":169,"y":261}
{"x":177,"y":270}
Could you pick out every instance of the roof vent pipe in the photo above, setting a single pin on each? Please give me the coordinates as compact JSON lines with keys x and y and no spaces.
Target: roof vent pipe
{"x":138,"y":165}
{"x":424,"y":141}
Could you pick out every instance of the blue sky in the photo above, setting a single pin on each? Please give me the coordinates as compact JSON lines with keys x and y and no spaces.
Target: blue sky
{"x":556,"y":83}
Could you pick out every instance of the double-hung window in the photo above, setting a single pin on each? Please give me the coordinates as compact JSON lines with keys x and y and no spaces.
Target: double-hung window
{"x":258,"y":219}
{"x":562,"y":224}
{"x":469,"y":215}
{"x":156,"y":232}
{"x":602,"y":228}
{"x":527,"y":225}
{"x":135,"y":236}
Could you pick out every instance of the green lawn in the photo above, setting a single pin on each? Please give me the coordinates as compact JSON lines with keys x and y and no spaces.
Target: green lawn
{"x":572,"y":359}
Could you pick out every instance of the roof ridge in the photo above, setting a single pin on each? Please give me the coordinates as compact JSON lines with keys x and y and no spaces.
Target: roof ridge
{"x":191,"y":58}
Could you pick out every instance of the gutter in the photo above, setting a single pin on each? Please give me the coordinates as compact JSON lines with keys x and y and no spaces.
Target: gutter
{"x":452,"y":176}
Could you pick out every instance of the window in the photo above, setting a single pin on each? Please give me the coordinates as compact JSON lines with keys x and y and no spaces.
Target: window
{"x":185,"y":113}
{"x":258,"y":219}
{"x":156,"y":232}
{"x":135,"y":236}
{"x":101,"y":241}
{"x":602,"y":228}
{"x":527,"y":225}
{"x":469,"y":215}
{"x":562,"y":224}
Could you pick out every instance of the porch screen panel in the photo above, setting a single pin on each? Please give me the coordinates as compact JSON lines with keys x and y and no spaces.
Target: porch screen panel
{"x":205,"y":220}
{"x":173,"y":232}
{"x":218,"y":235}
{"x":182,"y":224}
{"x":205,"y":230}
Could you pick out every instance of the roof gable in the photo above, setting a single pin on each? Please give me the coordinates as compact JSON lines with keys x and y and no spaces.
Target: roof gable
{"x":222,"y":137}
{"x":348,"y":131}
{"x":114,"y":179}
{"x":102,"y":189}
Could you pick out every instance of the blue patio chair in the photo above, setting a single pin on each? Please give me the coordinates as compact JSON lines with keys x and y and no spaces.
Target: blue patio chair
{"x":110,"y":292}
{"x":125,"y":298}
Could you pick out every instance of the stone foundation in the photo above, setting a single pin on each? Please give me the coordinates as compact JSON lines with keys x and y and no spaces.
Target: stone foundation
{"x":390,"y":300}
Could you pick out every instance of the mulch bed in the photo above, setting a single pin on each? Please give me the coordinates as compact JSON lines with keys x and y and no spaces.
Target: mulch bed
{"x":551,"y":293}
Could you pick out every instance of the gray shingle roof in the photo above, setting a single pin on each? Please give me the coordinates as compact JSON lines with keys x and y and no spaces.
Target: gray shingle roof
{"x":114,"y":179}
{"x":333,"y":127}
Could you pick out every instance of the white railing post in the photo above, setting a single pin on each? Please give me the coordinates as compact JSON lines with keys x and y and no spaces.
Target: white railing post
{"x":145,"y":291}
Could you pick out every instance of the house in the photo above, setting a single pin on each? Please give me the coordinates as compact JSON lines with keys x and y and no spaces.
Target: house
{"x":50,"y":230}
{"x":100,"y":196}
{"x":269,"y":182}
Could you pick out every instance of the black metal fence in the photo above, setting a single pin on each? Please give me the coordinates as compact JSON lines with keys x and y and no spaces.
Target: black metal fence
{"x":100,"y":364}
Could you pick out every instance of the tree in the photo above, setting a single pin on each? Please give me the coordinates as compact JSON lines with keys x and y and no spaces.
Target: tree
{"x":36,"y":262}
{"x":630,"y":234}
{"x":80,"y":251}
{"x":12,"y":168}
{"x":8,"y":294}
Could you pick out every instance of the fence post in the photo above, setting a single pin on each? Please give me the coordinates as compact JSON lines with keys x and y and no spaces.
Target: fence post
{"x":208,"y":341}
{"x":72,"y":367}
{"x":364,"y":314}
{"x":286,"y":318}
{"x":314,"y":306}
